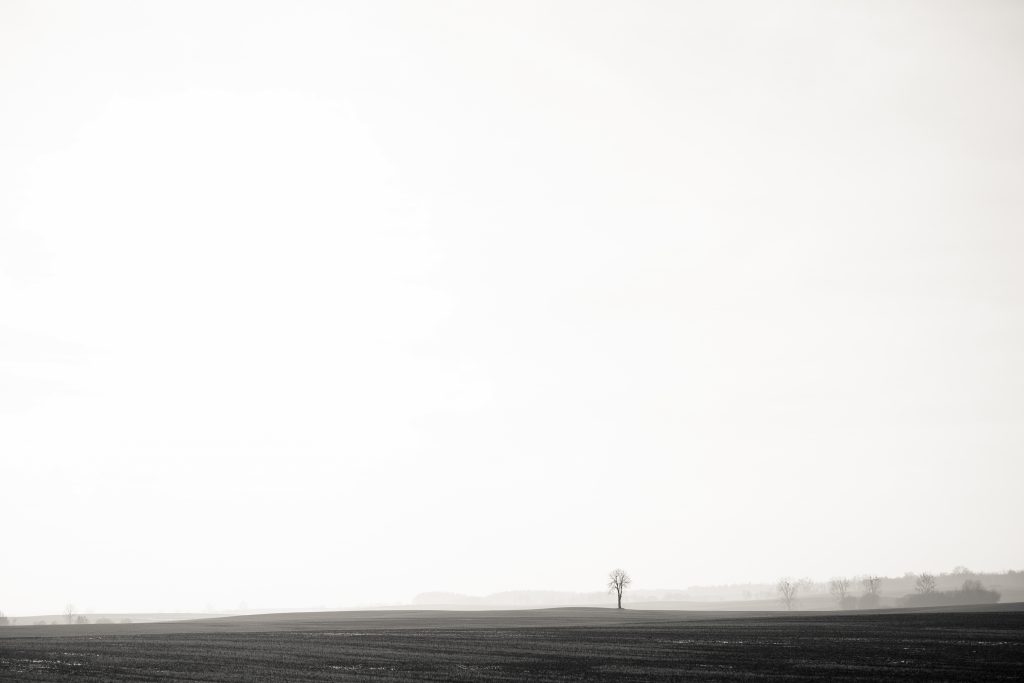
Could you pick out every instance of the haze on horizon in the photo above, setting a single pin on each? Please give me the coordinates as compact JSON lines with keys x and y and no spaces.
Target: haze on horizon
{"x":334,"y":303}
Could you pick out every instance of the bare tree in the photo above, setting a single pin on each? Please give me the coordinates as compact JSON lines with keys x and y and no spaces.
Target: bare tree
{"x":839,"y":587}
{"x":618,"y":580}
{"x":69,"y":613}
{"x":787,"y":591}
{"x":925,"y":584}
{"x":871,"y":585}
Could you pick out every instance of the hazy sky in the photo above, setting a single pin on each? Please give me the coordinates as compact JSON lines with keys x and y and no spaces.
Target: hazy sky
{"x":327,"y":304}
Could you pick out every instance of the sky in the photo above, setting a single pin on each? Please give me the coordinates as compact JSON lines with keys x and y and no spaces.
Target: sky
{"x":326,"y":304}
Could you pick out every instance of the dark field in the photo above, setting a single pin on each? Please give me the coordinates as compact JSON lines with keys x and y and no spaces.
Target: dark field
{"x":542,"y":645}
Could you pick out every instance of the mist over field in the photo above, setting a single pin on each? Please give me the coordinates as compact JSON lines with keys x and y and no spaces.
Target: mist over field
{"x":313,"y":305}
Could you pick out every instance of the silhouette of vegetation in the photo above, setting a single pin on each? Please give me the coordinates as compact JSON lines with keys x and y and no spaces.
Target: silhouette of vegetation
{"x":871,"y":597}
{"x":839,"y":588}
{"x":925,"y":584}
{"x":972,"y":592}
{"x":787,"y":591}
{"x":618,"y":581}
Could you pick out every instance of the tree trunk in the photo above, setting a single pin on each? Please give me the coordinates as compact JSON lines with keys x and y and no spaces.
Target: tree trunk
{"x":620,"y":599}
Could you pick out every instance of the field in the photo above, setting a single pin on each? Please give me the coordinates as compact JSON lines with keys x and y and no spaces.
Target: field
{"x":540,"y":645}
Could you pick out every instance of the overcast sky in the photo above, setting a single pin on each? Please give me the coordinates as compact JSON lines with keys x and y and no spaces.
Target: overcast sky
{"x":330,"y":304}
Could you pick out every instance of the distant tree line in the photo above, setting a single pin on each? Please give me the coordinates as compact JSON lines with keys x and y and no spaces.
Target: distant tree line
{"x":70,"y":617}
{"x":971,"y":592}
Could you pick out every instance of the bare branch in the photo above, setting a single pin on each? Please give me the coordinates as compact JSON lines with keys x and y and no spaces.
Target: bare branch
{"x":787,"y":591}
{"x":618,"y":580}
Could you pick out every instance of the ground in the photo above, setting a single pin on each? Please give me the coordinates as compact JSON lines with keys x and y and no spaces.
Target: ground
{"x":538,"y":645}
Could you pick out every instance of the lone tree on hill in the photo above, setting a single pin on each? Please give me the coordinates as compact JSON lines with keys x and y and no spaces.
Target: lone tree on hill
{"x":618,"y":580}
